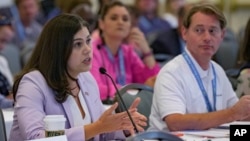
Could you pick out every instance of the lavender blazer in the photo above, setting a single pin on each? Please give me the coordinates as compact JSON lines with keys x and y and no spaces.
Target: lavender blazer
{"x":35,"y":99}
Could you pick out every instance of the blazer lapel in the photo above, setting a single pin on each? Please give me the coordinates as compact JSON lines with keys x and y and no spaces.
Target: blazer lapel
{"x":68,"y":112}
{"x":87,"y":97}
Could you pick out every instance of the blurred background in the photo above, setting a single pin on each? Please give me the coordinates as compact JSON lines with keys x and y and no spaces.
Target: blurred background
{"x":236,"y":11}
{"x":29,"y":16}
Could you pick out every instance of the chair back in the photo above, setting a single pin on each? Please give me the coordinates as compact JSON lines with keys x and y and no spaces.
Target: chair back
{"x":154,"y":135}
{"x":130,"y":92}
{"x":227,"y":53}
{"x":2,"y":127}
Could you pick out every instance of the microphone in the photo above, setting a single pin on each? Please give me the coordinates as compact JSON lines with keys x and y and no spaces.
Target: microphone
{"x":103,"y":71}
{"x":99,"y":47}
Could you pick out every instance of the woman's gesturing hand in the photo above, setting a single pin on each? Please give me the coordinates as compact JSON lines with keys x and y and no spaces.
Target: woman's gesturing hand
{"x":110,"y":121}
{"x":139,"y":119}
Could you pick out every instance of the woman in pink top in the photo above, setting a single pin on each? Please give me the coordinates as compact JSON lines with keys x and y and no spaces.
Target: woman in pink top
{"x":117,"y":56}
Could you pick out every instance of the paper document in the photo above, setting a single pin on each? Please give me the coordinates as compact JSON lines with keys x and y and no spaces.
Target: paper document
{"x":227,"y":125}
{"x":56,"y":138}
{"x":211,"y":133}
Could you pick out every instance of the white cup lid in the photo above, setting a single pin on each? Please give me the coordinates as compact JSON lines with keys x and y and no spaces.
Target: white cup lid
{"x":54,"y":118}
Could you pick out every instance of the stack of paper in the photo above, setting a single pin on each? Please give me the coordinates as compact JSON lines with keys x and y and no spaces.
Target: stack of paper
{"x":56,"y":138}
{"x":211,"y":133}
{"x":227,"y":125}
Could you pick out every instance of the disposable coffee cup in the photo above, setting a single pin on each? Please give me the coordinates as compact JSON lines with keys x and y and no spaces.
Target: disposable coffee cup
{"x":54,"y":125}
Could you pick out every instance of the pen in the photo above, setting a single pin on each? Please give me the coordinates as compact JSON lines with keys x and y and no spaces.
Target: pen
{"x":208,"y":137}
{"x":178,"y":134}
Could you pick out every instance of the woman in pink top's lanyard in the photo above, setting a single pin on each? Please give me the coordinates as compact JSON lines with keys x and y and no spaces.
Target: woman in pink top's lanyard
{"x":117,"y":56}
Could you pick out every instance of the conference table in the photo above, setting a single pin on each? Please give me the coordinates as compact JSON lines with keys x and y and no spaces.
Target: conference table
{"x":207,"y":135}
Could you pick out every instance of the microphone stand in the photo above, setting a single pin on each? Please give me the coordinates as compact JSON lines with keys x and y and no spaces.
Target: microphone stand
{"x":103,"y":71}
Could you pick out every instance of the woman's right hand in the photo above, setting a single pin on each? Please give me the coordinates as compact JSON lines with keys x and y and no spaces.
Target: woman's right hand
{"x":110,"y":121}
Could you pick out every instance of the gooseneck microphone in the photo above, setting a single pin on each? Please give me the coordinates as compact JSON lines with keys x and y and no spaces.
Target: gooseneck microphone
{"x":103,"y":71}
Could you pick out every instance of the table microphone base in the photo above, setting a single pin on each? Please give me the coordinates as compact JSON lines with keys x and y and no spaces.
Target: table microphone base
{"x":108,"y":101}
{"x":154,"y":135}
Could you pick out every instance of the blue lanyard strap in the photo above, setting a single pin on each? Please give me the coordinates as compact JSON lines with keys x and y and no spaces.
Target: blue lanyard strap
{"x":201,"y":86}
{"x":121,"y":77}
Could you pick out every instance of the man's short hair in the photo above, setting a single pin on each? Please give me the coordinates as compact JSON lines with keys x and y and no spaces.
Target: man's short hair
{"x":205,"y":8}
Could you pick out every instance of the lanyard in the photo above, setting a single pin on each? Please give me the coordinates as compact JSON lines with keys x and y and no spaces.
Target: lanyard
{"x":182,"y":43}
{"x":121,"y":77}
{"x":199,"y":81}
